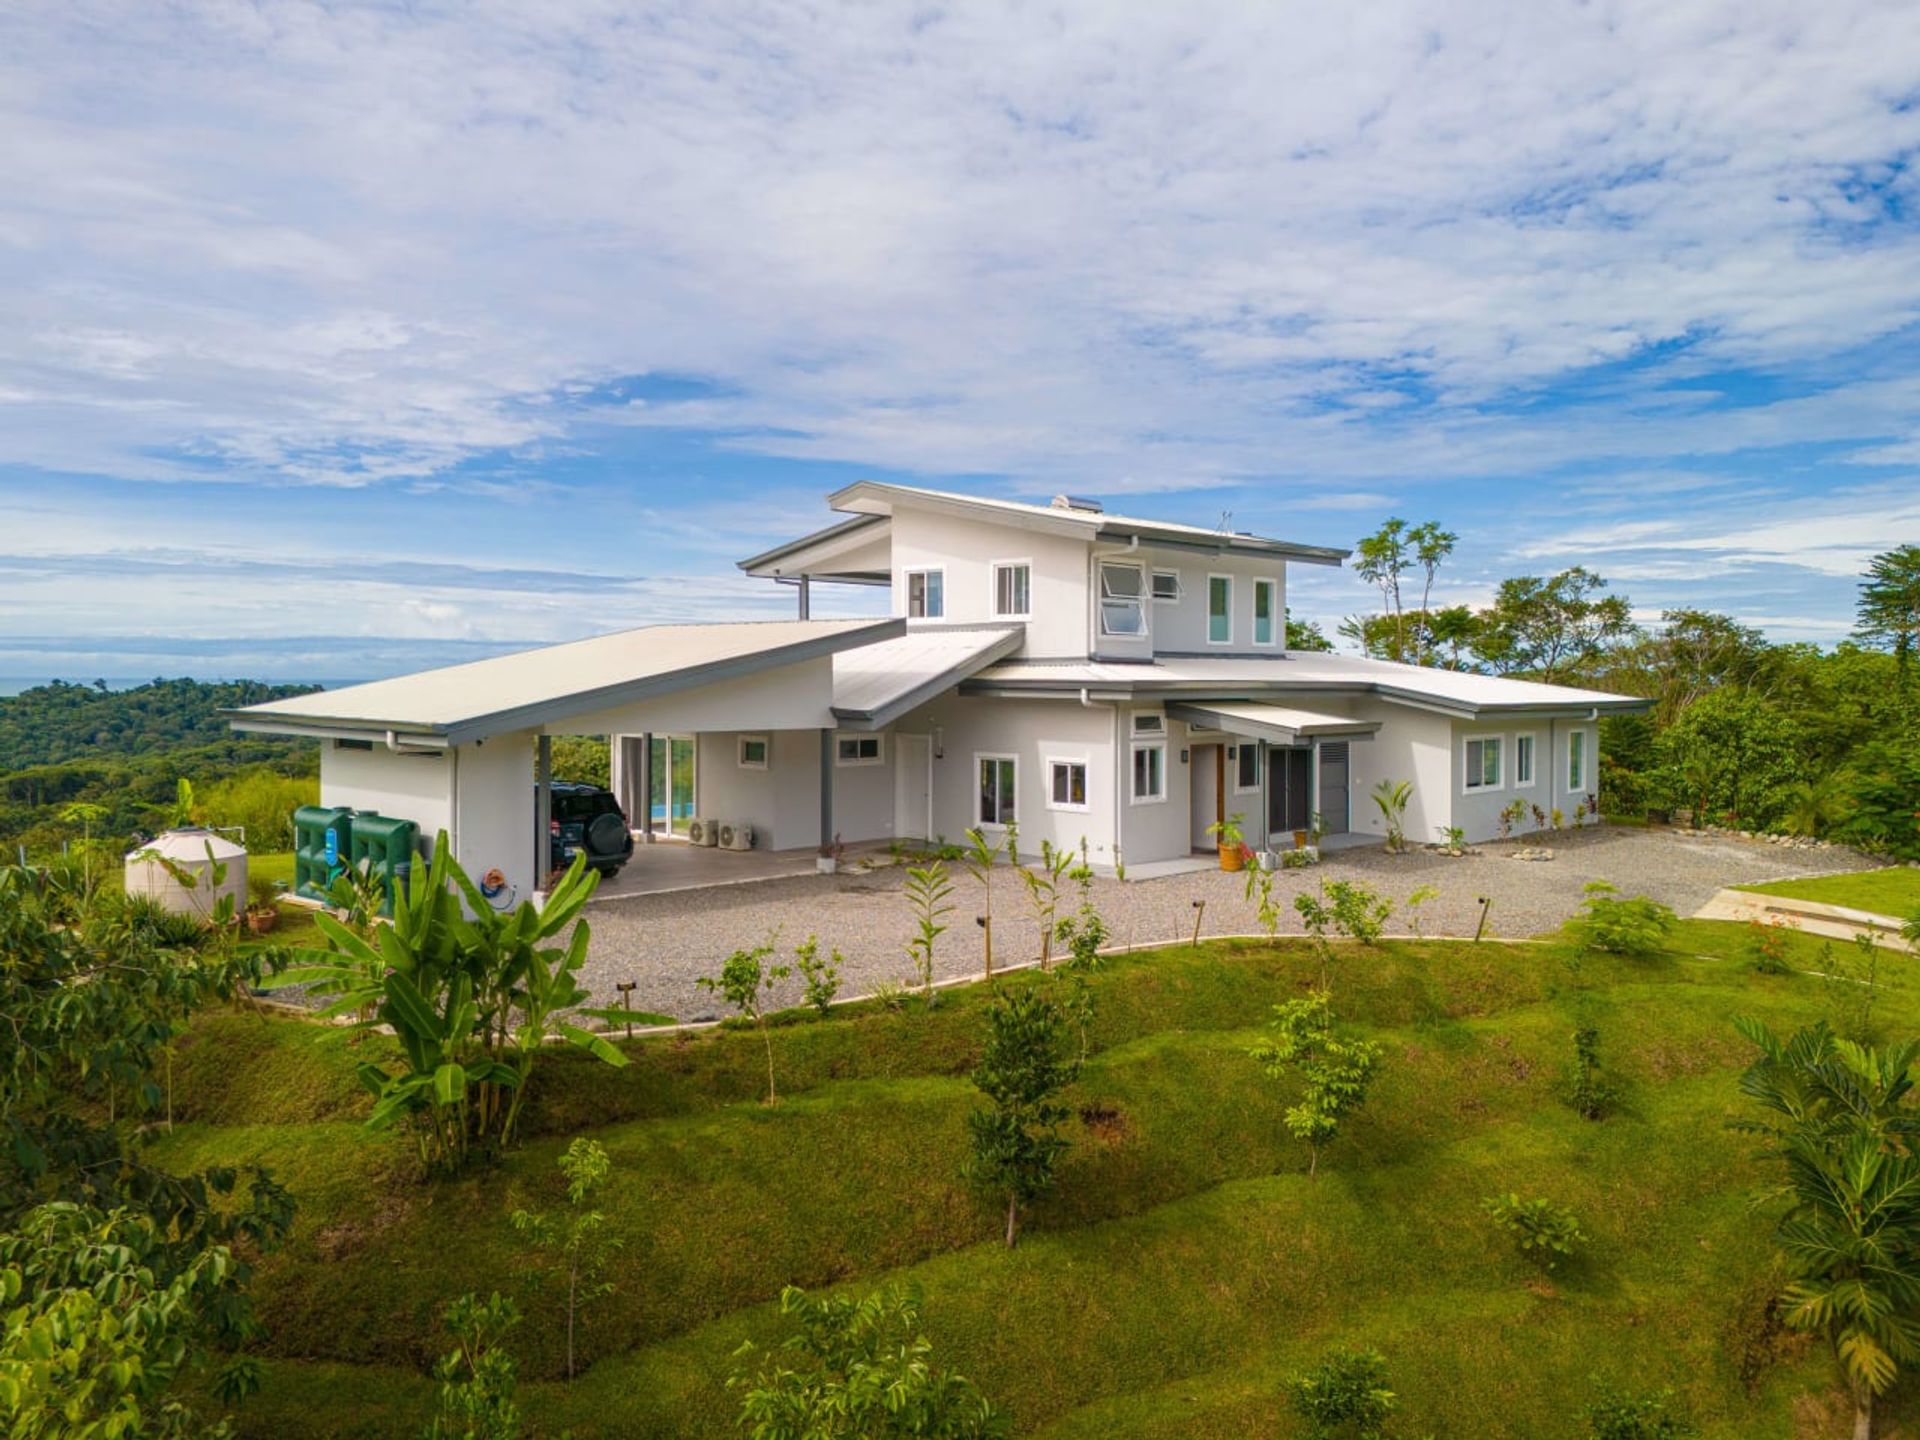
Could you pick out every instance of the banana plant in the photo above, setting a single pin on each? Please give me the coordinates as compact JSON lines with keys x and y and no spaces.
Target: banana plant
{"x":472,"y":994}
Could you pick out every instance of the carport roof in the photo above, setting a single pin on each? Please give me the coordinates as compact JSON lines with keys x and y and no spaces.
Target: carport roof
{"x":1276,"y":724}
{"x":538,"y":687}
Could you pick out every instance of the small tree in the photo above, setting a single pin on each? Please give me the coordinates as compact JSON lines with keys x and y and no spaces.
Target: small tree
{"x":821,"y":978}
{"x":1016,"y":1140}
{"x":1359,"y":913}
{"x":581,"y":1248}
{"x":1083,"y":933}
{"x":859,"y":1369}
{"x":930,"y":895}
{"x":746,"y":982}
{"x":1334,"y":1068}
{"x":1636,"y":926}
{"x":1392,"y":798}
{"x":1545,"y":1233}
{"x":1043,"y":892}
{"x":477,"y":1377}
{"x":1586,"y":1091}
{"x":1345,"y":1394}
{"x":1422,"y":895}
{"x":981,"y":858}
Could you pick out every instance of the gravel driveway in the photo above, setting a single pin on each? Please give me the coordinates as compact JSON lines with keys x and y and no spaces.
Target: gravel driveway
{"x":664,"y":942}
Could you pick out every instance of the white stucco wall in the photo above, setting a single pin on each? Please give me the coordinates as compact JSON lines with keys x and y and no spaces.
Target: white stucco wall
{"x":1180,"y":627}
{"x":968,"y":549}
{"x":1410,"y":745}
{"x":407,"y":787}
{"x":1478,"y":812}
{"x":788,"y":697}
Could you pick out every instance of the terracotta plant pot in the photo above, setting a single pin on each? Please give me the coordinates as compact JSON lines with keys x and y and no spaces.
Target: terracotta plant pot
{"x":260,"y":921}
{"x":1232,"y":858}
{"x":1299,"y":839}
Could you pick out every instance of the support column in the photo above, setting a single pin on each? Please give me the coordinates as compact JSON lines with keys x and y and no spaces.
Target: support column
{"x":542,"y":809}
{"x":646,"y":787}
{"x":826,"y":788}
{"x":806,"y":598}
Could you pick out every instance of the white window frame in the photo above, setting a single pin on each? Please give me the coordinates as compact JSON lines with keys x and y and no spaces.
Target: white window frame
{"x":1577,"y":787}
{"x":1155,"y":726}
{"x":1179,"y":587}
{"x":766,"y":752}
{"x":924,"y":571}
{"x":1276,"y":627}
{"x":1140,"y":601}
{"x":1133,"y":773}
{"x":1210,"y":580}
{"x":1239,"y":749}
{"x":993,"y":598}
{"x":1014,"y":760}
{"x":1054,"y":762}
{"x":1532,"y":737}
{"x":1500,"y":782}
{"x":879,"y":756}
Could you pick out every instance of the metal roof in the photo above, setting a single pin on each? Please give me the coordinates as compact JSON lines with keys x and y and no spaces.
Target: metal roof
{"x":874,"y":497}
{"x":1276,"y":724}
{"x":825,"y":544}
{"x":537,"y":687}
{"x":1304,"y":672}
{"x":877,"y":684}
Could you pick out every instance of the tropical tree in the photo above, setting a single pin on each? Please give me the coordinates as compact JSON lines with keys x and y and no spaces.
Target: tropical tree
{"x":1431,"y":546}
{"x":1334,"y":1068}
{"x":746,"y":981}
{"x":1381,"y":559}
{"x":1731,"y":753}
{"x":930,"y":896}
{"x":1889,"y":605}
{"x":1016,"y":1139}
{"x":477,"y":1377}
{"x":859,"y":1369}
{"x":1391,"y":798}
{"x":1306,"y":635}
{"x":981,"y":856}
{"x":1551,"y":628}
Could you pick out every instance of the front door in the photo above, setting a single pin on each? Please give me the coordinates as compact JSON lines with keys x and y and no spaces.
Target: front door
{"x":1336,"y":810}
{"x":912,"y":787}
{"x":1206,"y":797}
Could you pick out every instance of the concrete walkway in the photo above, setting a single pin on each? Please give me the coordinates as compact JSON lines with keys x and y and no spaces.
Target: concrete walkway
{"x":1812,"y":917}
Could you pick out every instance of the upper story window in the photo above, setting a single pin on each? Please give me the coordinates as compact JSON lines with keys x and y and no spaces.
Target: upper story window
{"x":1012,"y":589}
{"x":1219,"y":609}
{"x":1123,"y":609}
{"x":1263,"y":608}
{"x":1166,"y":584}
{"x":926,"y":594}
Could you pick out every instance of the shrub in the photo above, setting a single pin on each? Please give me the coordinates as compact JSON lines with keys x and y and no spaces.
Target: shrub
{"x":1765,"y":946}
{"x":1635,"y":926}
{"x":745,"y":982}
{"x":1335,"y":1069}
{"x":1016,"y":1140}
{"x":820,"y":978}
{"x":1617,"y":1416}
{"x":261,"y":802}
{"x":1586,"y":1091}
{"x":1392,"y":798}
{"x":477,"y":1377}
{"x":1546,"y":1233}
{"x":1345,"y":1394}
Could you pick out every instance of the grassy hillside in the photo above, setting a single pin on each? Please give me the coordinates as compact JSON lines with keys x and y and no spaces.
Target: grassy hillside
{"x":1186,"y":1264}
{"x":1894,"y":891}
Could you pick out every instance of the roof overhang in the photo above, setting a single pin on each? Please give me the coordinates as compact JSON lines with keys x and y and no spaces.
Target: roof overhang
{"x":401,"y":731}
{"x":920,"y":688}
{"x":1275,"y":724}
{"x":823,"y":555}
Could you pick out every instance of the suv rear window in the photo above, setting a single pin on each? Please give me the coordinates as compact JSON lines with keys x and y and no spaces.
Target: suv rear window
{"x":570,"y":806}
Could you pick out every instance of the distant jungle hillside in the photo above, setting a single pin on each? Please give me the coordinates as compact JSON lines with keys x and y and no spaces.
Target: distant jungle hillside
{"x":85,"y":760}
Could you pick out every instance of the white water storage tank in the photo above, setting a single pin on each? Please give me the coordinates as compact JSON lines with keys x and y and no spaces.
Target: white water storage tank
{"x":187,"y":851}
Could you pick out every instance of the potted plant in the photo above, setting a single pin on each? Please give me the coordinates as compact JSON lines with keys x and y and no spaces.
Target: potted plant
{"x":262,"y":913}
{"x":1229,"y":837}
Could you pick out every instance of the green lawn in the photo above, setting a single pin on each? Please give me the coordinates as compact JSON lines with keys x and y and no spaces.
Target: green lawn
{"x":1894,"y":891}
{"x":1186,"y":1265}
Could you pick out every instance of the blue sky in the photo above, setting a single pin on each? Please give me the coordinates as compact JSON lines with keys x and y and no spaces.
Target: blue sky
{"x":336,"y":340}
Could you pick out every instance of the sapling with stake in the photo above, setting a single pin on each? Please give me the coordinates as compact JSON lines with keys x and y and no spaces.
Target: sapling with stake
{"x":930,"y":895}
{"x":745,"y":982}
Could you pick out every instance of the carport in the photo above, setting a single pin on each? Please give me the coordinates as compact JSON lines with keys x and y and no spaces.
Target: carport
{"x":466,"y":749}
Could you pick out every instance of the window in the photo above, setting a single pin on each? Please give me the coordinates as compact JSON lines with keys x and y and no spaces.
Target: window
{"x":859,"y":749}
{"x":1577,"y":760}
{"x":1483,"y":763}
{"x":353,"y":745}
{"x":1151,"y":723}
{"x":1123,"y":608}
{"x":1066,"y":784}
{"x":753,"y":751}
{"x":1149,"y":773}
{"x":1246,"y":772}
{"x":1166,"y":584}
{"x":1523,"y":760}
{"x":1219,"y":609}
{"x":1012,"y":589}
{"x":1263,"y":612}
{"x":999,"y":780}
{"x":926,"y":594}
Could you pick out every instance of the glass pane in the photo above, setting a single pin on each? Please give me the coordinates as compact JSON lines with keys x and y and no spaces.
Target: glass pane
{"x":1166,"y":585}
{"x":1219,"y":621}
{"x":1120,"y":581}
{"x":936,"y":595}
{"x":1490,"y":763}
{"x":1122,"y":617}
{"x":1077,"y":777}
{"x":657,"y":780}
{"x":1474,"y":763}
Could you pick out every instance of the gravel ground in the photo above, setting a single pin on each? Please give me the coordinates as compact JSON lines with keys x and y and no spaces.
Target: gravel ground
{"x":665,"y":942}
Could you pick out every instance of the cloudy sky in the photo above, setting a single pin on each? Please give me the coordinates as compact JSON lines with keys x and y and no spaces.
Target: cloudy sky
{"x":336,"y":339}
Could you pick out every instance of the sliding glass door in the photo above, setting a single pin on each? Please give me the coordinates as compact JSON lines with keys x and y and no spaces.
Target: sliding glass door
{"x":671,"y":798}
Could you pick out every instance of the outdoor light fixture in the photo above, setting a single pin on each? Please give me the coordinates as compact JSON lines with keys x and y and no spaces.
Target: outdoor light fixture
{"x":939,"y":742}
{"x":1183,"y":757}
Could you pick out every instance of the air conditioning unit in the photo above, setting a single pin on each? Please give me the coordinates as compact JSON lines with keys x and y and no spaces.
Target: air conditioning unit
{"x":703,"y":832}
{"x":737,"y":836}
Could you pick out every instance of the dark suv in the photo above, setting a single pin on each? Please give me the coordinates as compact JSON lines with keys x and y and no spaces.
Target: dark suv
{"x":585,"y":817}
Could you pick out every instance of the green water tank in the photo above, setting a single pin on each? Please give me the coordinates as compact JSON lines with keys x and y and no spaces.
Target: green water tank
{"x":322,"y":847}
{"x":385,"y":847}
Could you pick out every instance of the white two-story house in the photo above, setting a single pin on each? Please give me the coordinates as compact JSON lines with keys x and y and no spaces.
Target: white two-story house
{"x":1084,"y":676}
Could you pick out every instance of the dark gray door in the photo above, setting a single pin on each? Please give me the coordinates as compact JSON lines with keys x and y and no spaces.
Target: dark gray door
{"x":1335,"y":811}
{"x":1289,"y":796}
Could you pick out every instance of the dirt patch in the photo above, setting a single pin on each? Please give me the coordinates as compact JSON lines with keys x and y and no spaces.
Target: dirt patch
{"x":336,"y":1242}
{"x":1104,"y":1123}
